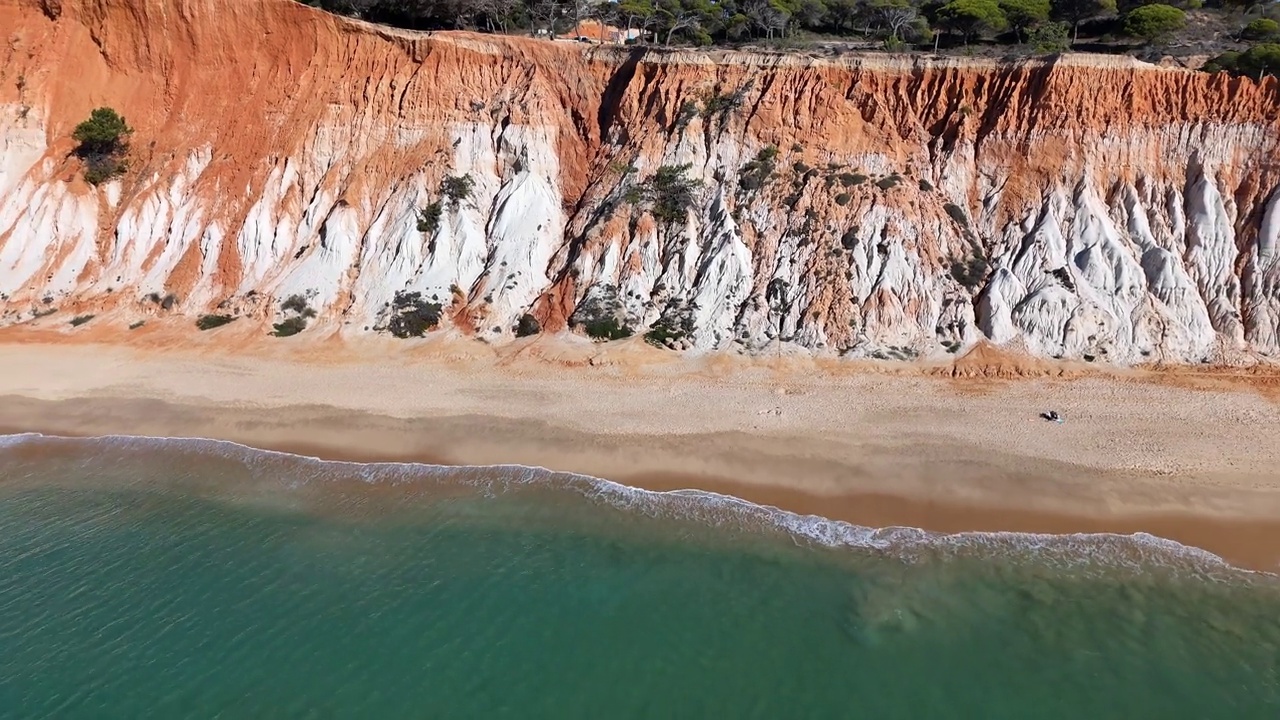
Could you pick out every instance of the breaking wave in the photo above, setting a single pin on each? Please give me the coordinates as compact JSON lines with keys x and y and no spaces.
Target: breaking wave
{"x":1138,"y":551}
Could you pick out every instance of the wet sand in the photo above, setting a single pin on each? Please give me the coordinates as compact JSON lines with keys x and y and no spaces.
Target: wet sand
{"x":1196,"y":466}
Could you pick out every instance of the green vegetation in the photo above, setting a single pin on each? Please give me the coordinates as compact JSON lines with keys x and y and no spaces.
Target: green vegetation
{"x":617,"y":167}
{"x":454,"y":189}
{"x":457,"y":188}
{"x":138,"y":324}
{"x":209,"y":322}
{"x":298,"y":304}
{"x":715,"y":105}
{"x":297,"y":311}
{"x":600,"y":315}
{"x":528,"y":325}
{"x":1024,"y":16}
{"x":759,"y":171}
{"x":849,"y":240}
{"x":429,"y":218}
{"x":970,"y":271}
{"x":1257,"y":62}
{"x":895,"y":352}
{"x":972,"y":18}
{"x":289,"y":326}
{"x":668,"y":193}
{"x":991,"y":27}
{"x":674,"y":329}
{"x":852,"y":179}
{"x":890,"y":182}
{"x":1154,"y":22}
{"x":1051,"y":37}
{"x":1261,"y":30}
{"x":957,"y":214}
{"x":81,"y":319}
{"x":843,"y":199}
{"x":103,"y":145}
{"x":411,"y":316}
{"x":607,"y":329}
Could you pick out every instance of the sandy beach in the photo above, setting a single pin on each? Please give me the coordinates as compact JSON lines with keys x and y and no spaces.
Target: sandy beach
{"x":1137,"y":452}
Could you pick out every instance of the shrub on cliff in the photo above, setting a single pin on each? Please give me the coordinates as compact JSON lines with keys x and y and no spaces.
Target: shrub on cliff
{"x":600,"y":315}
{"x":457,"y":188}
{"x":528,"y":325}
{"x":1154,"y":23}
{"x":674,"y":329}
{"x":429,"y":218}
{"x":759,"y":171}
{"x":297,"y":311}
{"x":298,"y":305}
{"x":669,"y":193}
{"x":209,"y":322}
{"x":1260,"y":61}
{"x":970,"y":271}
{"x":289,"y":326}
{"x":1261,"y":29}
{"x":607,"y":329}
{"x":1257,"y":62}
{"x":103,"y":144}
{"x":412,"y":316}
{"x":889,"y":182}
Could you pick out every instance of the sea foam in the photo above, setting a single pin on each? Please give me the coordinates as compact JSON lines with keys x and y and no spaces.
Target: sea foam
{"x":1137,"y":551}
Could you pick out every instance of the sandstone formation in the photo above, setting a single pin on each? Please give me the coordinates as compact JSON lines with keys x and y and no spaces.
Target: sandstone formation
{"x":898,"y":207}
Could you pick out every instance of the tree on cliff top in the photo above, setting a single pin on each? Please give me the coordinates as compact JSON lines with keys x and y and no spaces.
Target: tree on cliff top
{"x":1260,"y":61}
{"x":103,"y":144}
{"x":1154,"y":22}
{"x":1024,"y":15}
{"x":1077,"y":11}
{"x":972,"y":18}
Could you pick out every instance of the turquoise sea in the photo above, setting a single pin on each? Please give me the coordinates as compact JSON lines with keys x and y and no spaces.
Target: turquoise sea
{"x":146,"y":578}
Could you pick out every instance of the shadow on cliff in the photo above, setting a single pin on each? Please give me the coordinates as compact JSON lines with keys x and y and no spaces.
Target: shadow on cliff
{"x":614,"y":90}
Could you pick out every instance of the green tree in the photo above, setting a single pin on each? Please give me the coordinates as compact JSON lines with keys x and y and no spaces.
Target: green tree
{"x":1154,"y":22}
{"x":1228,"y":61}
{"x":972,"y":18}
{"x":635,"y":14}
{"x":103,"y":145}
{"x":1051,"y":37}
{"x":1077,"y":11}
{"x":103,"y":132}
{"x":1260,"y":61}
{"x":676,"y":15}
{"x":896,"y":15}
{"x":1025,"y":15}
{"x":1264,"y":29}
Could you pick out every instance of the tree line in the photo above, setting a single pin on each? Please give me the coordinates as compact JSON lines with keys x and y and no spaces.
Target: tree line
{"x":1039,"y":25}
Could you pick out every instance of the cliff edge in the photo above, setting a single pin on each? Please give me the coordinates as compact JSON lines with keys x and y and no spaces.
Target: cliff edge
{"x":882,"y":206}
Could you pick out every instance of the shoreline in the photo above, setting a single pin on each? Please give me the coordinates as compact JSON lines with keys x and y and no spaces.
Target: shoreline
{"x":1244,"y":544}
{"x":874,"y":451}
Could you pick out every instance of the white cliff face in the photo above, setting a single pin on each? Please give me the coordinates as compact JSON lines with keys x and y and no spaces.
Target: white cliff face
{"x":873,"y":236}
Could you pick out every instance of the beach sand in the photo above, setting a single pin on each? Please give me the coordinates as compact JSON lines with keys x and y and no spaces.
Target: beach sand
{"x":1188,"y":456}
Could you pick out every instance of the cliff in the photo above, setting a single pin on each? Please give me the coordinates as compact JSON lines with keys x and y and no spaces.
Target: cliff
{"x":1079,"y":207}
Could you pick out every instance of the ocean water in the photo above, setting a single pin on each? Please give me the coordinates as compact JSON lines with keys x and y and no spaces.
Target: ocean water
{"x":144,"y":578}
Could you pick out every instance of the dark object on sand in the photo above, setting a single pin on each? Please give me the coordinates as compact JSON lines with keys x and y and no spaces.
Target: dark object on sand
{"x":1051,"y":416}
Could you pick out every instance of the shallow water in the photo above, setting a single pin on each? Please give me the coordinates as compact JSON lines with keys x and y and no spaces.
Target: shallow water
{"x":170,"y":579}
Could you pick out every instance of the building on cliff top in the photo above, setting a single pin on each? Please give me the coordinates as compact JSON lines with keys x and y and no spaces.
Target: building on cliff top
{"x":601,"y":33}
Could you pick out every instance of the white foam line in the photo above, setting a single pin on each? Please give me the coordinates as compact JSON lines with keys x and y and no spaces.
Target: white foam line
{"x":818,"y":529}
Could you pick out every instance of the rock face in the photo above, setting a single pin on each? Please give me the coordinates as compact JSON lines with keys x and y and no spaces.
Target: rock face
{"x":896,"y":207}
